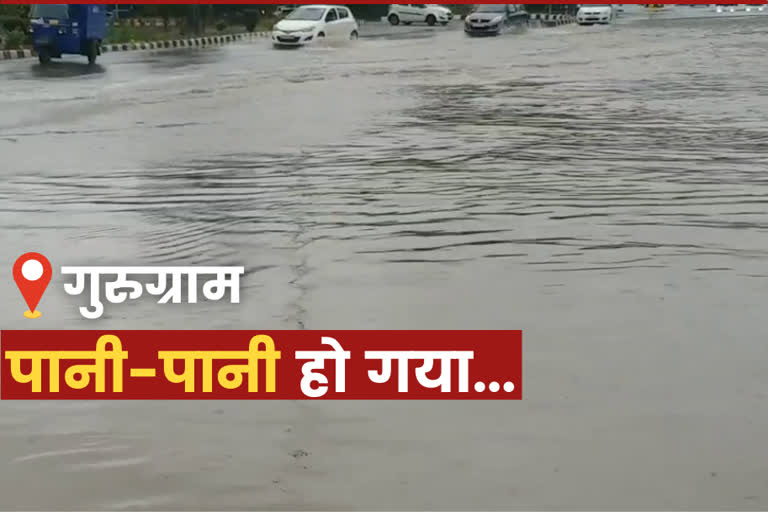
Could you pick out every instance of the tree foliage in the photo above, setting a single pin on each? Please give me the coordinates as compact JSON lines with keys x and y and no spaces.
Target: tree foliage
{"x":196,"y":17}
{"x":18,"y":11}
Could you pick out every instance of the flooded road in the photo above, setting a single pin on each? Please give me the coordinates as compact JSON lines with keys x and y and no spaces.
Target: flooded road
{"x":601,"y":188}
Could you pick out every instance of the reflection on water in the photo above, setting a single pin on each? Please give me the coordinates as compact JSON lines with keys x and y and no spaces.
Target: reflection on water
{"x":65,"y":69}
{"x":601,"y":188}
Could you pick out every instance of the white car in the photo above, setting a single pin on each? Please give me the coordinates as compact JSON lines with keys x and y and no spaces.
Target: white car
{"x":595,"y":13}
{"x":419,"y":13}
{"x":308,"y":23}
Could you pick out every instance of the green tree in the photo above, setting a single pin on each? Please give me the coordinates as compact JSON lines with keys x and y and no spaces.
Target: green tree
{"x":19,"y":11}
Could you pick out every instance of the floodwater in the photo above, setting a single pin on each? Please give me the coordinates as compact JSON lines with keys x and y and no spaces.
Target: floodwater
{"x":601,"y":188}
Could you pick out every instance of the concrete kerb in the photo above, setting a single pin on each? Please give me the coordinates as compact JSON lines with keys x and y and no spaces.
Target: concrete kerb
{"x":16,"y":54}
{"x":541,"y":20}
{"x":552,"y":20}
{"x":198,"y":42}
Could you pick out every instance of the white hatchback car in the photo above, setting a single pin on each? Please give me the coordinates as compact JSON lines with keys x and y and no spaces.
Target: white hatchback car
{"x":309,"y":23}
{"x":419,"y":13}
{"x":595,"y":13}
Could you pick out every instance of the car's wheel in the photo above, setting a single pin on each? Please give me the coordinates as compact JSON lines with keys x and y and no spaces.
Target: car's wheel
{"x":321,"y":35}
{"x":394,"y":19}
{"x":431,"y":20}
{"x":354,"y":35}
{"x":93,"y":52}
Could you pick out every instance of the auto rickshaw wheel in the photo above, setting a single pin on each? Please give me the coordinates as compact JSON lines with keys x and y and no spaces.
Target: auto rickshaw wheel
{"x":93,"y":52}
{"x":44,"y":56}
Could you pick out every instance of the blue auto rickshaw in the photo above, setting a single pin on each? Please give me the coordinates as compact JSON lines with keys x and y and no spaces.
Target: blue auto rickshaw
{"x":59,"y":29}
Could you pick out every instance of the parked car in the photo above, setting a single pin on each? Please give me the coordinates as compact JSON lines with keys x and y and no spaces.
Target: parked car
{"x":595,"y":13}
{"x":419,"y":13}
{"x":494,"y":19}
{"x":308,"y":23}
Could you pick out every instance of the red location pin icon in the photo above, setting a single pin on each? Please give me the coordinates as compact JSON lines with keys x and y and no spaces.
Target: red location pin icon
{"x":32,"y":273}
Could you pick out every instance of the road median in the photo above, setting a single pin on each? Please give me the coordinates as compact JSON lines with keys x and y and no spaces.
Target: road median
{"x":552,"y":20}
{"x":194,"y":42}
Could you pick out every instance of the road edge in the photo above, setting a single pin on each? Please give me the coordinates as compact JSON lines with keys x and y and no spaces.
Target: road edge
{"x":195,"y":42}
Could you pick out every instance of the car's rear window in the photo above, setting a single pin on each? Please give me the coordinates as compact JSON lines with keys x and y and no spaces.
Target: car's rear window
{"x":307,"y":14}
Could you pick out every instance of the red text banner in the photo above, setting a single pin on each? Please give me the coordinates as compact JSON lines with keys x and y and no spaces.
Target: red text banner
{"x":261,"y":365}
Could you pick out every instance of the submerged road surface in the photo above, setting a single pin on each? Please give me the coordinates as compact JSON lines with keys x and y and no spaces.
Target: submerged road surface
{"x":601,"y":188}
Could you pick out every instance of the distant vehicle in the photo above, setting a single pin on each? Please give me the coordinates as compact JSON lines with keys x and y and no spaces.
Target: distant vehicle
{"x":720,"y":8}
{"x":595,"y":13}
{"x":309,"y":23}
{"x":419,"y":13}
{"x":494,"y":19}
{"x":60,"y":29}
